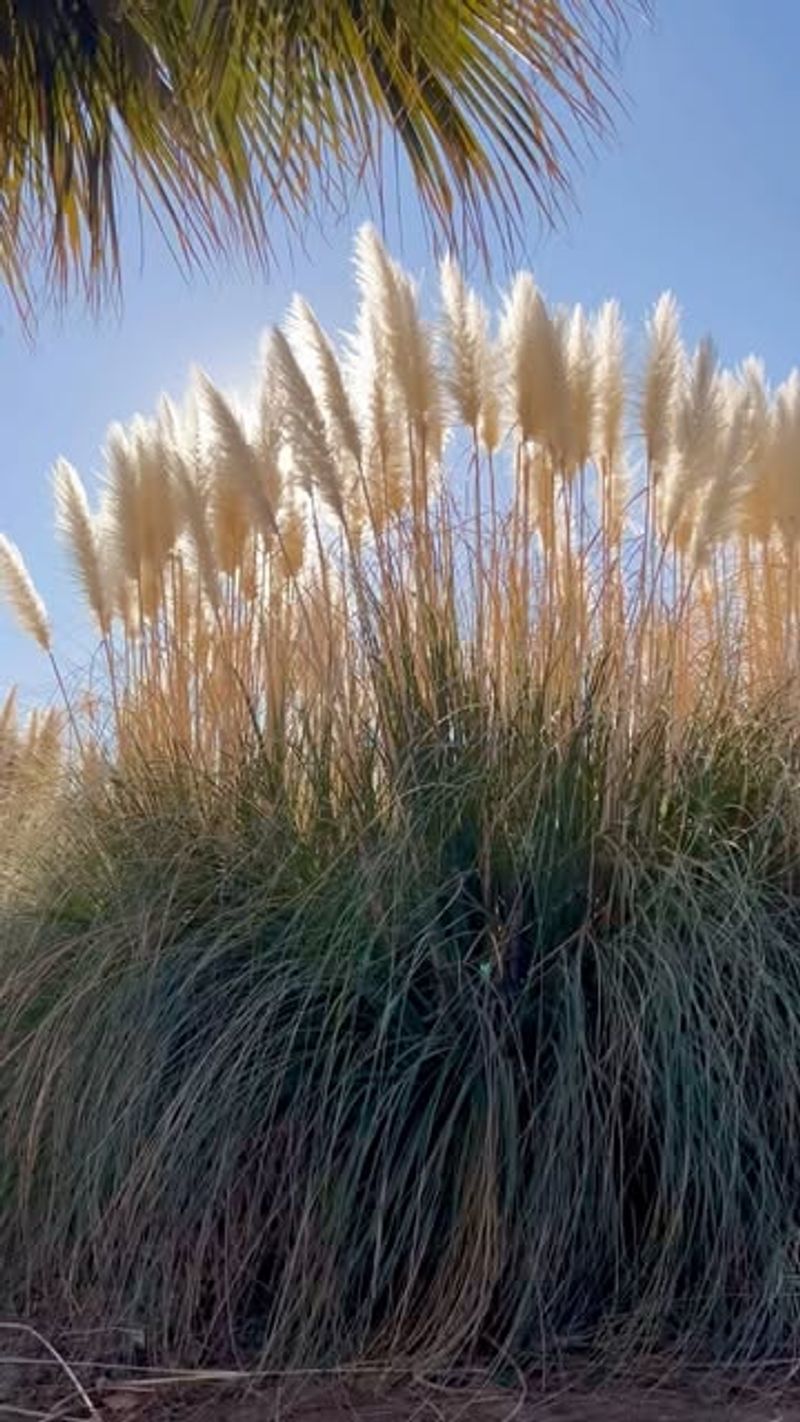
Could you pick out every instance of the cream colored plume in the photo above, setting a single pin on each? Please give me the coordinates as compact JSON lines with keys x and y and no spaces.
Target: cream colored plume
{"x":121,"y":588}
{"x":121,"y":503}
{"x":533,"y":367}
{"x":140,"y":518}
{"x":702,"y":413}
{"x":758,"y":507}
{"x":8,"y":719}
{"x":320,"y":364}
{"x":292,"y":540}
{"x":700,"y":408}
{"x":609,"y":409}
{"x":390,"y":297}
{"x":141,"y":515}
{"x":44,"y":743}
{"x":382,"y":422}
{"x":238,"y":471}
{"x":490,"y":424}
{"x":662,"y":380}
{"x":270,"y":427}
{"x":470,"y":360}
{"x":159,"y":512}
{"x":20,"y":593}
{"x":197,"y":519}
{"x":581,"y":375}
{"x":727,"y":484}
{"x":75,"y":523}
{"x":784,"y":457}
{"x":304,"y":428}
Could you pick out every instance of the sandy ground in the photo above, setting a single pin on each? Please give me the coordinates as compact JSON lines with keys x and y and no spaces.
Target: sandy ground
{"x":24,"y":1394}
{"x":425,"y":1405}
{"x":100,"y":1375}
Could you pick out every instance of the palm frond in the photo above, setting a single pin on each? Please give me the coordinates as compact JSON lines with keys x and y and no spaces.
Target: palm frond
{"x":226,"y":113}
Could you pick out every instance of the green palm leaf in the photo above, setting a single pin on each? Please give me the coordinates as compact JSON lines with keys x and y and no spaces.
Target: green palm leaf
{"x":225,"y":113}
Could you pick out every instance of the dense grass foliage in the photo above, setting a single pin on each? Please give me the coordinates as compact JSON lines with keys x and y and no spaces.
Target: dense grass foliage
{"x":400,"y":954}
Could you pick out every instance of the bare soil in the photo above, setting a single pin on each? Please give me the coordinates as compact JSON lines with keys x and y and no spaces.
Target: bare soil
{"x":24,"y":1393}
{"x":620,"y":1403}
{"x":102,"y":1375}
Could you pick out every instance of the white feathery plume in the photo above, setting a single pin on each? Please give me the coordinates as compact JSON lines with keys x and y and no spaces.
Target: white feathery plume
{"x":785,"y":457}
{"x":698,"y":429}
{"x":320,"y":364}
{"x":470,"y":360}
{"x":490,"y":430}
{"x":18,"y":588}
{"x":159,"y":520}
{"x":269,"y":438}
{"x":752,"y":376}
{"x":381,"y":420}
{"x":9,"y":736}
{"x":8,"y":718}
{"x":463,"y":340}
{"x":270,"y":427}
{"x":47,"y":742}
{"x":292,"y":540}
{"x":139,"y":518}
{"x":173,"y":433}
{"x":391,"y":300}
{"x":663,"y":374}
{"x":121,"y":503}
{"x":422,"y":385}
{"x":31,"y":734}
{"x":196,"y":517}
{"x":119,"y":584}
{"x":304,"y":427}
{"x":238,"y":464}
{"x":534,"y":366}
{"x":609,"y":345}
{"x":211,"y":488}
{"x":75,"y":523}
{"x":580,"y":361}
{"x":699,"y":408}
{"x":727,"y":484}
{"x":758,"y":509}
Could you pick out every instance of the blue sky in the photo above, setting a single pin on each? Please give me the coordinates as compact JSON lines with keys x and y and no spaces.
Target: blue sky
{"x":695,"y":192}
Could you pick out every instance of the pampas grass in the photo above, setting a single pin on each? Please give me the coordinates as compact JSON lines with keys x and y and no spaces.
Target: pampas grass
{"x":402,"y":338}
{"x":399,"y":951}
{"x":8,"y":717}
{"x":581,"y":364}
{"x":242,"y":494}
{"x":21,"y":595}
{"x":536,"y":378}
{"x":321,"y":365}
{"x":197,"y":520}
{"x":609,"y":343}
{"x":304,"y":427}
{"x":662,"y":378}
{"x":74,"y":521}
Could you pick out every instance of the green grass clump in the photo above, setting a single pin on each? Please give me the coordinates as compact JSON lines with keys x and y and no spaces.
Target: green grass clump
{"x":473,"y":1075}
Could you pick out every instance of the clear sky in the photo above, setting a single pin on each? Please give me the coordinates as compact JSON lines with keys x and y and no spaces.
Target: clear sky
{"x":698,"y":191}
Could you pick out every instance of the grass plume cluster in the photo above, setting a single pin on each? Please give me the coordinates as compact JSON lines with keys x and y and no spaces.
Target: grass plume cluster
{"x":407,"y":963}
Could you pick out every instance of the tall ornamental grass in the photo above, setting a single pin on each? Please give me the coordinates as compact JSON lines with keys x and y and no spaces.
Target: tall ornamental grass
{"x":400,"y":926}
